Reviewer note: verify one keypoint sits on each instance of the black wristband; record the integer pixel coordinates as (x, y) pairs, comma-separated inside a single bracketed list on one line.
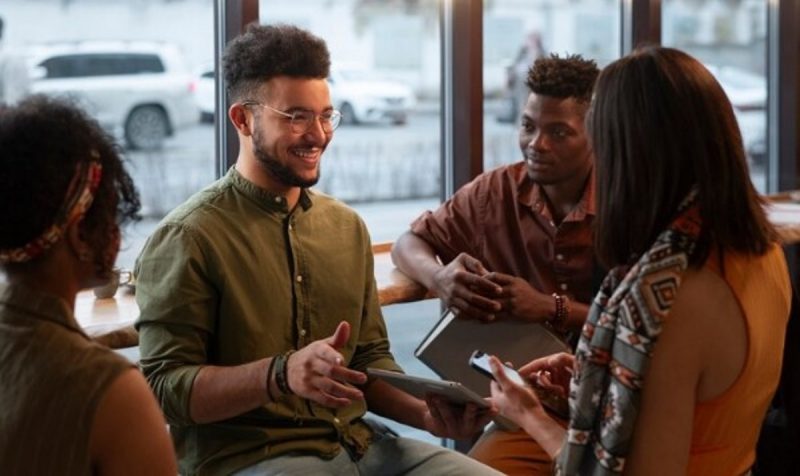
[(270, 378), (282, 373)]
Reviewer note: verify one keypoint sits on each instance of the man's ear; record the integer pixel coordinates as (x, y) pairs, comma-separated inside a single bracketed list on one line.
[(239, 118), (80, 248)]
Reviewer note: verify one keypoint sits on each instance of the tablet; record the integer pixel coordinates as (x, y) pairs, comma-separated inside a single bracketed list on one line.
[(419, 386)]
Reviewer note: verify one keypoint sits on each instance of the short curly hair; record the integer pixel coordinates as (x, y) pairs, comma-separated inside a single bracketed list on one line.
[(42, 142), (264, 52), (568, 77)]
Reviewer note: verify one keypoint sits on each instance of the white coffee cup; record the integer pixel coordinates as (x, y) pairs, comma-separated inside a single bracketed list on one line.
[(118, 278)]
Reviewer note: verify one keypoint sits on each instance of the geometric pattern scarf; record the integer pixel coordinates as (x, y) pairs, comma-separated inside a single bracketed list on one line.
[(616, 346)]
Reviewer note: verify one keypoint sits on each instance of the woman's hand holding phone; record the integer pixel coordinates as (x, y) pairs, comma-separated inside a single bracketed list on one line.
[(480, 362), (552, 373), (548, 377)]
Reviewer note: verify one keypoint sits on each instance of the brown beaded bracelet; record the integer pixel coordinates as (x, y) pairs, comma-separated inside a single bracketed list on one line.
[(562, 311)]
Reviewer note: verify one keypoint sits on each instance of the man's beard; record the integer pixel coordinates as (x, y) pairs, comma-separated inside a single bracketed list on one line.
[(277, 170)]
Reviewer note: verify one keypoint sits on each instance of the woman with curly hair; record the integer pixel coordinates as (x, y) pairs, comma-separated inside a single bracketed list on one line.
[(681, 352), (67, 405)]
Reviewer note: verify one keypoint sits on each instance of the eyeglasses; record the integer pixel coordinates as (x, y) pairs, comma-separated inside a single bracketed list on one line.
[(301, 120)]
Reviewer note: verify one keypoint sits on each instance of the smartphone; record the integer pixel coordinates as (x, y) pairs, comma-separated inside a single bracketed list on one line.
[(480, 362), (555, 403)]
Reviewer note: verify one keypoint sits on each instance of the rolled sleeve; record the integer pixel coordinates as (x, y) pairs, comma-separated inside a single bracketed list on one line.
[(176, 302), (455, 226), (372, 348), (165, 364)]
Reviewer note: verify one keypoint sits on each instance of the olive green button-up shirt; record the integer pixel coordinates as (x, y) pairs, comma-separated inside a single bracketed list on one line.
[(233, 276)]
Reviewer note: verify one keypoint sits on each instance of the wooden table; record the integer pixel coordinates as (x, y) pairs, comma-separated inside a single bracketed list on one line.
[(109, 321), (393, 286)]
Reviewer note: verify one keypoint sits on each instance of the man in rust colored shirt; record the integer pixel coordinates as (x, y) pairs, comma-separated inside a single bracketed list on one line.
[(516, 242)]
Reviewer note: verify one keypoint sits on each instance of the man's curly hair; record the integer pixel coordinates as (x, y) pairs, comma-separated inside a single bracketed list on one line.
[(42, 142), (568, 77), (264, 52)]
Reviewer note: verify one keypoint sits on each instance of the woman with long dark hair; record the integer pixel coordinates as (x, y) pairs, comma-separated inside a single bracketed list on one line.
[(681, 353)]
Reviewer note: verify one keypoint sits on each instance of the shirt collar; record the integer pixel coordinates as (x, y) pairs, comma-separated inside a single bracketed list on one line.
[(269, 200), (532, 195), (586, 207), (38, 304)]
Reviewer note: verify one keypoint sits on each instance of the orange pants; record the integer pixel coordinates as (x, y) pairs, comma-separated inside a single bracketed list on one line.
[(513, 452)]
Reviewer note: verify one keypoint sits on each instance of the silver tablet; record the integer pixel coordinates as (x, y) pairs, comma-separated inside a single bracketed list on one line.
[(419, 386)]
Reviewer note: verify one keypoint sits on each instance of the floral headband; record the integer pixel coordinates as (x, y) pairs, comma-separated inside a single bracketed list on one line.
[(80, 195)]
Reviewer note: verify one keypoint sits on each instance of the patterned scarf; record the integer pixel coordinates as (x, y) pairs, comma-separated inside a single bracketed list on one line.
[(616, 346)]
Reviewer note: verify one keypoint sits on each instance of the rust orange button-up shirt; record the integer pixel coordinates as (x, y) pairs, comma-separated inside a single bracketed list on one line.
[(502, 219)]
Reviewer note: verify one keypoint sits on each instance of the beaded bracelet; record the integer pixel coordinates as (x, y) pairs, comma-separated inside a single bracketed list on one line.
[(562, 311)]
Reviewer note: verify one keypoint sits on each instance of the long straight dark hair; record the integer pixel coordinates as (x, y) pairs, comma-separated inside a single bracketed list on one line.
[(660, 125)]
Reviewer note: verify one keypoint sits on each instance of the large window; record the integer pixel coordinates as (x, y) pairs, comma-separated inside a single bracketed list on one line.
[(384, 159), (135, 72), (730, 39)]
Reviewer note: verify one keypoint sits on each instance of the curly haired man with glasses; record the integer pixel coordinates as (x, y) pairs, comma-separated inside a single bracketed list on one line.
[(259, 311)]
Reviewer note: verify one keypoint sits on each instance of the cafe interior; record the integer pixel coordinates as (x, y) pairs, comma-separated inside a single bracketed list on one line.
[(460, 60)]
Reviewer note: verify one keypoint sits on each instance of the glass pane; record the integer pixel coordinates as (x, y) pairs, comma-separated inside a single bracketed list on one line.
[(384, 158), (136, 73), (730, 39), (515, 33)]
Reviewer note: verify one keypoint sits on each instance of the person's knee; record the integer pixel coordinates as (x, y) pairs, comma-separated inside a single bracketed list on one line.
[(412, 457), (512, 452)]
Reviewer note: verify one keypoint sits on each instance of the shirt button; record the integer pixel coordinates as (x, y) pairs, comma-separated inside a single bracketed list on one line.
[(560, 257), (299, 279), (336, 420), (563, 286), (291, 227), (302, 332)]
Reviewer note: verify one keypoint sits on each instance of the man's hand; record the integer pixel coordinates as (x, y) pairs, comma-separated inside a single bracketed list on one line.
[(316, 371), (462, 287), (520, 301), (455, 421)]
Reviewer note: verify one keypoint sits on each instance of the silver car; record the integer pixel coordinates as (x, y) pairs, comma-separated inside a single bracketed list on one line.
[(139, 91)]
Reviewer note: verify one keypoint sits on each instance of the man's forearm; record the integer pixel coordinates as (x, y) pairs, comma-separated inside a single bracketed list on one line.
[(577, 316), (219, 393), (416, 258)]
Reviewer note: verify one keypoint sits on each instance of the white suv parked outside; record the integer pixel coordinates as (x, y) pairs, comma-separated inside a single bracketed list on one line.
[(363, 96), (140, 91)]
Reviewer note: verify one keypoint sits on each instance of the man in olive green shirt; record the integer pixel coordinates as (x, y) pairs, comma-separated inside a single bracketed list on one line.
[(259, 312)]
